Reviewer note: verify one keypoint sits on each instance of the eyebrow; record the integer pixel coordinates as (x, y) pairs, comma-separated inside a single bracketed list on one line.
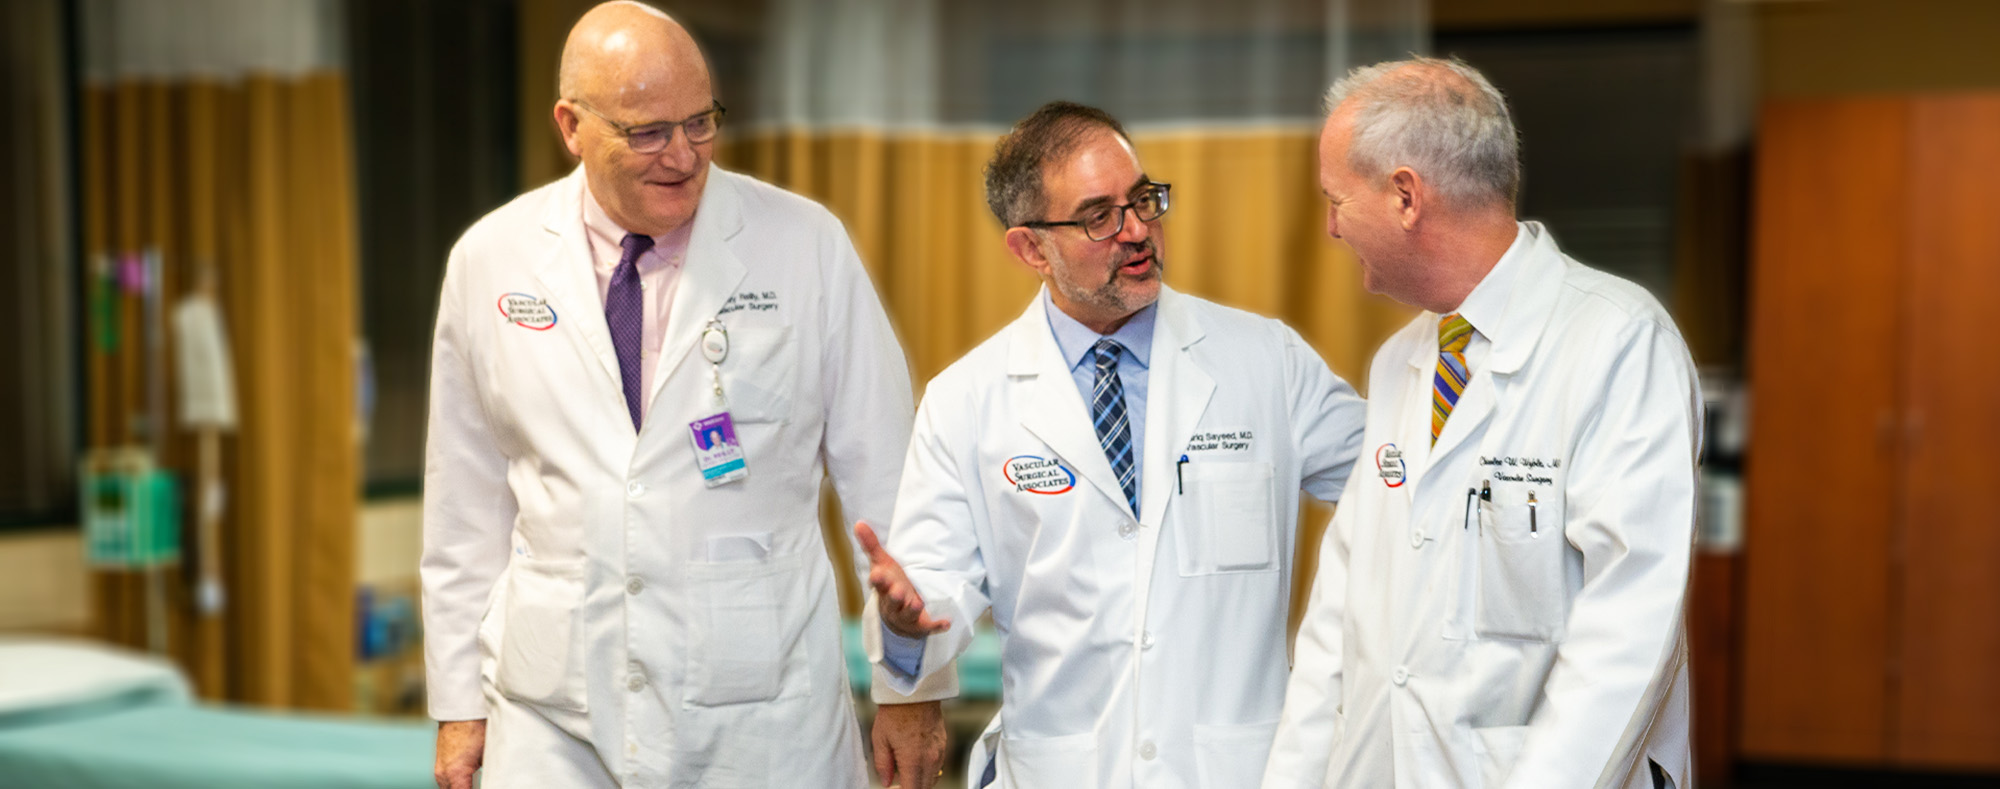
[(1094, 202)]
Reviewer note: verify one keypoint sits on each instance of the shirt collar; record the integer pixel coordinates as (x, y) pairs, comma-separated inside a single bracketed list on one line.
[(1075, 339), (606, 235), (1486, 306)]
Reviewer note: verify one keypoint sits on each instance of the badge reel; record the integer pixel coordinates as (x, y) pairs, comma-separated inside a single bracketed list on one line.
[(718, 452)]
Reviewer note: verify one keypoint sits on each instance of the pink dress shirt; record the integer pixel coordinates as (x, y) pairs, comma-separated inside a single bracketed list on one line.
[(659, 276)]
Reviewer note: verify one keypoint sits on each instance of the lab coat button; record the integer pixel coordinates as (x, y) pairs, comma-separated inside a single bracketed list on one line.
[(1146, 640), (635, 683), (634, 585), (1126, 530), (1147, 751), (635, 490), (1417, 538), (1402, 676)]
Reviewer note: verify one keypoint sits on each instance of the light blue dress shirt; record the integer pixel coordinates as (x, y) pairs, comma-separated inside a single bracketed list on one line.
[(1075, 340)]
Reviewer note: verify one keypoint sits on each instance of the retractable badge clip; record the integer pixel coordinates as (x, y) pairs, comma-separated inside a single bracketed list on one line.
[(715, 348)]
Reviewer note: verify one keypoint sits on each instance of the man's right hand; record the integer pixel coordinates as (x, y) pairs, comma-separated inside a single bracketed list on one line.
[(901, 607), (909, 744), (460, 749)]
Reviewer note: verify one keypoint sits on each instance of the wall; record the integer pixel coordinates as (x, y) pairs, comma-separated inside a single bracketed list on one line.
[(1877, 46), (42, 586)]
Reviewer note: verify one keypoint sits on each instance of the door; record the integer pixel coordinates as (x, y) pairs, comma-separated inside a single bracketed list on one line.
[(1820, 496), (1946, 691)]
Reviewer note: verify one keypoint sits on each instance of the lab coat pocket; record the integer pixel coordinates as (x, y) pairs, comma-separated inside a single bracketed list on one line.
[(1041, 762), (540, 658), (1234, 755), (1227, 521), (1496, 748), (1521, 580), (759, 373), (747, 628)]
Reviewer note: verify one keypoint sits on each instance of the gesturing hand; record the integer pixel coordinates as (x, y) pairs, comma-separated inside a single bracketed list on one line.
[(901, 607)]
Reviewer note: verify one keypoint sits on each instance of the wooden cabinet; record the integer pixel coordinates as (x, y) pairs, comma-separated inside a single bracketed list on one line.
[(1871, 630)]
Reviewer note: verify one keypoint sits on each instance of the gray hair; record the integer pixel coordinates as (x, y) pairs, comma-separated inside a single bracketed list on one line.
[(1441, 118)]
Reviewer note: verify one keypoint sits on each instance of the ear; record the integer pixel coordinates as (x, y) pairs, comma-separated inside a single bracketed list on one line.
[(566, 123), (1406, 188), (1027, 248)]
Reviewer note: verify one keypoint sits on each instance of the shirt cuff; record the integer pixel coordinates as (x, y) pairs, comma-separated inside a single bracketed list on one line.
[(902, 655)]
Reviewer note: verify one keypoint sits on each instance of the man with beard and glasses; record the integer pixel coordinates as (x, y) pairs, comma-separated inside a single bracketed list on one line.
[(1114, 476)]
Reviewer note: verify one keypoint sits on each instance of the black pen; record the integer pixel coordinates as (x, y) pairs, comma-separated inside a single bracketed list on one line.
[(1469, 493), (1531, 512), (1179, 484)]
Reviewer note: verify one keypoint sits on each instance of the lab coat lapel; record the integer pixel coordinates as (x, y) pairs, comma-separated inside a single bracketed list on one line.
[(1412, 428), (1475, 407), (568, 276), (1051, 407), (707, 280), (1179, 393), (1532, 282)]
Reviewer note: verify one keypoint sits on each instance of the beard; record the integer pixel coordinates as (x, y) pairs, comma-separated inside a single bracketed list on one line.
[(1119, 293)]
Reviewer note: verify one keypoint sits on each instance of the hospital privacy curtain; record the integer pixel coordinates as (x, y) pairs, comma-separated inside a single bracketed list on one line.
[(215, 136)]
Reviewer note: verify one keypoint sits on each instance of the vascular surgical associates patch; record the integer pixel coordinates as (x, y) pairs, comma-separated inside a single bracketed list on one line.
[(1389, 464), (528, 312), (1046, 476)]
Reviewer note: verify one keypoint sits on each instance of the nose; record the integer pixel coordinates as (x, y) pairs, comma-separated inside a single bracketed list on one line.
[(679, 153), (1134, 230), (1332, 221)]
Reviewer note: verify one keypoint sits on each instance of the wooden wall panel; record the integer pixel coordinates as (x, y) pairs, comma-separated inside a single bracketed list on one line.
[(1827, 263), (1947, 694)]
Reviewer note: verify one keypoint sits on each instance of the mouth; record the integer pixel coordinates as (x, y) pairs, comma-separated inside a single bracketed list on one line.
[(670, 182), (1138, 266)]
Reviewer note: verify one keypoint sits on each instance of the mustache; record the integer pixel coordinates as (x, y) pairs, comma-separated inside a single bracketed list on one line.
[(1132, 251)]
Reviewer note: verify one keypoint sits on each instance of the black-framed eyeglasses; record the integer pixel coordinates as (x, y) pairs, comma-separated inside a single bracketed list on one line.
[(1103, 222), (653, 137)]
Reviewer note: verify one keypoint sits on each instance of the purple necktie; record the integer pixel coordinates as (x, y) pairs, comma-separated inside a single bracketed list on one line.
[(625, 313)]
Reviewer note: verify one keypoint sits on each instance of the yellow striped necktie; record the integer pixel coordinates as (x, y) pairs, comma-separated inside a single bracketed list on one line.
[(1453, 335)]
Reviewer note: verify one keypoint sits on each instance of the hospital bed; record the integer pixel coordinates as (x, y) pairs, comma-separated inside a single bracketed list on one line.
[(76, 715)]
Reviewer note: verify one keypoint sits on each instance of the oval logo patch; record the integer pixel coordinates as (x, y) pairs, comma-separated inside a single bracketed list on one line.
[(1389, 463), (527, 311), (1038, 475)]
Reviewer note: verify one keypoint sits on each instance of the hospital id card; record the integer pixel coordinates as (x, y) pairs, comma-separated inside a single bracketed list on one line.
[(717, 450)]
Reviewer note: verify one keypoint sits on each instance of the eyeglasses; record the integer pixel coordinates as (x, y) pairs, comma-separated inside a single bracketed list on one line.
[(653, 137), (1106, 221)]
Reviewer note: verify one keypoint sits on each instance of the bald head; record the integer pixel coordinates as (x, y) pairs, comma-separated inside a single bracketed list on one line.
[(628, 46), (628, 67)]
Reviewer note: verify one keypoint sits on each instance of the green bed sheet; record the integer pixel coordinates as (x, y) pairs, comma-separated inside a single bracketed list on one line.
[(182, 746)]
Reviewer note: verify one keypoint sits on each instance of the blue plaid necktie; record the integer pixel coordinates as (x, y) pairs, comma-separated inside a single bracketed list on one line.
[(1107, 414), (625, 314)]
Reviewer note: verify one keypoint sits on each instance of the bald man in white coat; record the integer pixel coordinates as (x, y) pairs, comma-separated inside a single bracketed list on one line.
[(641, 374)]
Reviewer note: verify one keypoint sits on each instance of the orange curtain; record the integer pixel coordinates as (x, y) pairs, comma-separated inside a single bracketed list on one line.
[(249, 180)]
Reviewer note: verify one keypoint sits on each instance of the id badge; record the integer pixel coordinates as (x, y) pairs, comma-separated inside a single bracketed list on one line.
[(717, 451)]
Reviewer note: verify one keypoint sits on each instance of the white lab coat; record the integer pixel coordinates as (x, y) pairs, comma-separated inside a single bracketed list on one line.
[(688, 634), (1134, 653), (1455, 642)]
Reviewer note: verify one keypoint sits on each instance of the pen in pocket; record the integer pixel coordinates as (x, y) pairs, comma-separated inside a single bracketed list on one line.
[(1531, 513)]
